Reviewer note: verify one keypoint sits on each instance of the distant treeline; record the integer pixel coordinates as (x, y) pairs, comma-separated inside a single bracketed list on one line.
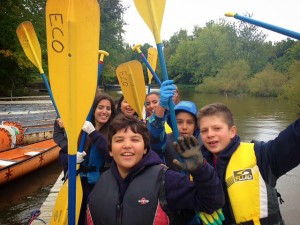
[(222, 57)]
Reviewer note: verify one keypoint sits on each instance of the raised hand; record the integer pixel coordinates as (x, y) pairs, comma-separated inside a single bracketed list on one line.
[(167, 91), (189, 149)]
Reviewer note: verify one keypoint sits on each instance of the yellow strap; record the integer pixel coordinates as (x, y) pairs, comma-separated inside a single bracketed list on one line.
[(168, 128)]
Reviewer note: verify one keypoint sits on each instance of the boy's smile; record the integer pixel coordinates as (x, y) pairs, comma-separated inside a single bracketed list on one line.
[(215, 133), (127, 150)]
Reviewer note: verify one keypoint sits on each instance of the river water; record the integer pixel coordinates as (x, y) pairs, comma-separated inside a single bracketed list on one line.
[(256, 118)]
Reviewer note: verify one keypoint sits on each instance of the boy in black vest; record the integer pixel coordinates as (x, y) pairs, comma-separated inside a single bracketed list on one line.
[(138, 189)]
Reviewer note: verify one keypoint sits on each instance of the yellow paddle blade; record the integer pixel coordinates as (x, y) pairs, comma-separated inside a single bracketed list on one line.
[(152, 12), (131, 79), (30, 44), (152, 59), (73, 28), (60, 210)]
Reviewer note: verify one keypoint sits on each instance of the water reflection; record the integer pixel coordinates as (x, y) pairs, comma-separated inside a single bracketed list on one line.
[(20, 197), (256, 118)]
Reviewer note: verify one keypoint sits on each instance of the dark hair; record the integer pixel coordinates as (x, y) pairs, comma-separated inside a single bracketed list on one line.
[(119, 104), (119, 111), (153, 93), (122, 121), (218, 109), (98, 98)]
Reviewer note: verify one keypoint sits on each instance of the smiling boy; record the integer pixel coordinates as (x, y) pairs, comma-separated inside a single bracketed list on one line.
[(249, 171), (138, 189)]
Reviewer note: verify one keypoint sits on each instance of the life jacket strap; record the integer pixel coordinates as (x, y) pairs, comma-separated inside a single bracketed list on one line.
[(271, 219)]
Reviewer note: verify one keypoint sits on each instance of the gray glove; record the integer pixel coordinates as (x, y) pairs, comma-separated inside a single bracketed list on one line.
[(189, 149)]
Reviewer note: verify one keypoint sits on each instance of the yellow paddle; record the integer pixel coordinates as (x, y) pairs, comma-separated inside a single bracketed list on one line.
[(131, 79), (152, 56), (152, 12), (73, 28), (152, 59), (32, 49)]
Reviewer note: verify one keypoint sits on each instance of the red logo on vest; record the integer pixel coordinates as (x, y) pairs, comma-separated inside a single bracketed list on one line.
[(143, 201)]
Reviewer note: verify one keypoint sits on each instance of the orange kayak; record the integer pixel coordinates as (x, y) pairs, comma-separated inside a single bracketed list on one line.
[(22, 160)]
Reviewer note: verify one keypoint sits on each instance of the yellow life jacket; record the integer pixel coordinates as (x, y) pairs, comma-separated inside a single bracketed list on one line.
[(246, 187)]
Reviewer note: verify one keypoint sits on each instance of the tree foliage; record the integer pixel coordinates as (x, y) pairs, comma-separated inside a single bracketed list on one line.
[(221, 57), (267, 83), (291, 89), (231, 79), (16, 70)]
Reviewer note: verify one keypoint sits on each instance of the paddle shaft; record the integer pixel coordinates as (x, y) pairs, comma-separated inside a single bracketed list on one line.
[(50, 93), (171, 103), (268, 26), (150, 68), (89, 117)]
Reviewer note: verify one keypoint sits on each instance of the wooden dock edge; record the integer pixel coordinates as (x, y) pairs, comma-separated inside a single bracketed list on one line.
[(47, 207)]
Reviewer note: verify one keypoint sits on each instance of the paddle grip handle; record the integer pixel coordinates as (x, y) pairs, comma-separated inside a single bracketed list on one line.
[(171, 104)]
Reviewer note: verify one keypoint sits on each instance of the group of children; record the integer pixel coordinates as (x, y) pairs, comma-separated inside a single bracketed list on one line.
[(155, 179)]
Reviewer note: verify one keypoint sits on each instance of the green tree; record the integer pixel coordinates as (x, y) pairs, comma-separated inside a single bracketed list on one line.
[(267, 83), (111, 37), (16, 70), (291, 89), (203, 54), (253, 47), (231, 79), (283, 55)]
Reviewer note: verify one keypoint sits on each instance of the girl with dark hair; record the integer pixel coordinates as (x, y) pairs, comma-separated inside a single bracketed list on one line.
[(124, 107), (95, 158)]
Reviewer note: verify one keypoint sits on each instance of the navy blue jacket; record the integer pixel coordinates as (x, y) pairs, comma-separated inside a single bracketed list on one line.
[(274, 159), (205, 194), (97, 139)]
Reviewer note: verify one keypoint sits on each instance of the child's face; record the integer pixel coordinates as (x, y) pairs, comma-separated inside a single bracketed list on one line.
[(126, 108), (186, 123), (127, 149), (215, 133), (152, 102)]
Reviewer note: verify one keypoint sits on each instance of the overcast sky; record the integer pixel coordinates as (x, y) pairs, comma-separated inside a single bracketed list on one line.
[(186, 14)]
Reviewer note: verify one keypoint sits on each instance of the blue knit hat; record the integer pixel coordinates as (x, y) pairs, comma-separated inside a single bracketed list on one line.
[(187, 106)]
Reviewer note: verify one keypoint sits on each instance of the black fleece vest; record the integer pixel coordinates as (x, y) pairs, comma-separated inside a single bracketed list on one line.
[(140, 201)]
